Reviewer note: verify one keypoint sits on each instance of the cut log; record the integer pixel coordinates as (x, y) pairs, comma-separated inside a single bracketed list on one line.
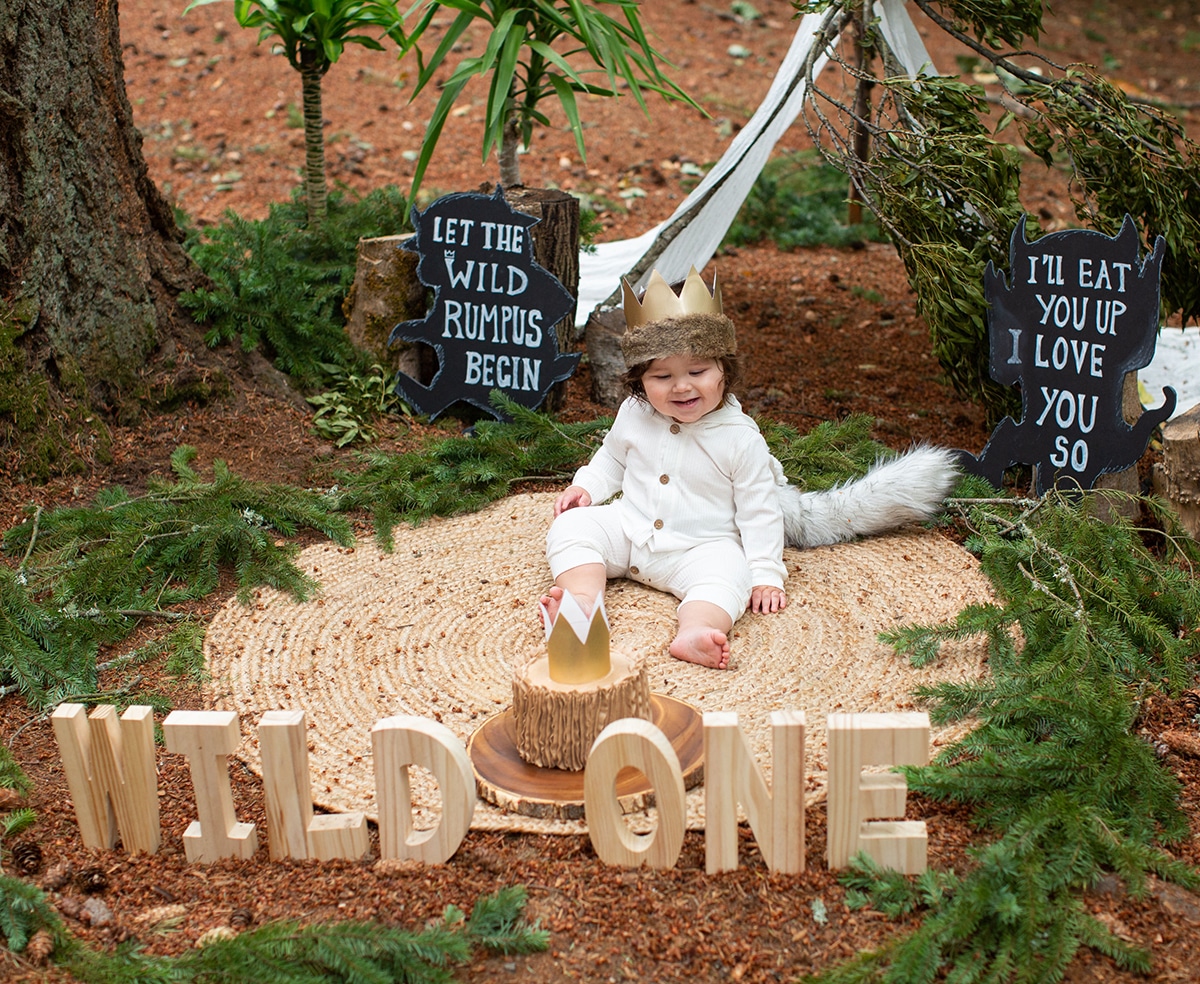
[(1179, 478), (605, 359), (556, 248), (1127, 480), (386, 291)]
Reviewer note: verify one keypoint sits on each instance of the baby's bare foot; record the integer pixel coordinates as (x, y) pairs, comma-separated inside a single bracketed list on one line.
[(704, 645), (551, 601)]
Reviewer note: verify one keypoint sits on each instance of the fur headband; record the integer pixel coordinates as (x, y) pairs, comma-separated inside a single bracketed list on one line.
[(706, 336)]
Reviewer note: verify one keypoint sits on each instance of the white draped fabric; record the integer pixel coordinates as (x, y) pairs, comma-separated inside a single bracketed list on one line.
[(700, 222)]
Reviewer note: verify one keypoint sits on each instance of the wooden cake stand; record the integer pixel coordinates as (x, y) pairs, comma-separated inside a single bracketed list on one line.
[(506, 780)]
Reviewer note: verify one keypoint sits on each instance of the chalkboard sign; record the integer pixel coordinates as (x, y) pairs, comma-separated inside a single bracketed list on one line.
[(1081, 311), (494, 309)]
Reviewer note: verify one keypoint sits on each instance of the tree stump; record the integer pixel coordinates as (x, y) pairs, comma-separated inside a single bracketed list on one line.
[(1178, 480), (607, 362), (386, 291), (555, 724), (556, 248), (1126, 481)]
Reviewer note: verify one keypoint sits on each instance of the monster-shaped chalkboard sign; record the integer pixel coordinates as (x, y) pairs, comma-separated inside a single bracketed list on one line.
[(494, 309), (1082, 310)]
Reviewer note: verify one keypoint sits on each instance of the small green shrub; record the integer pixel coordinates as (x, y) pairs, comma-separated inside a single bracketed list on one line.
[(348, 410), (280, 285), (799, 200)]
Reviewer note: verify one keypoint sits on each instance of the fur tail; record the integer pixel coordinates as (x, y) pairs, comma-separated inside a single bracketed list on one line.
[(903, 490)]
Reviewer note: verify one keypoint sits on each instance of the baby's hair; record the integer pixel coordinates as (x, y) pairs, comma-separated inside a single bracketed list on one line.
[(728, 364)]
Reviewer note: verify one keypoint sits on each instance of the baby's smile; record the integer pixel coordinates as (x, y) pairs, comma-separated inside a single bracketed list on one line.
[(684, 387)]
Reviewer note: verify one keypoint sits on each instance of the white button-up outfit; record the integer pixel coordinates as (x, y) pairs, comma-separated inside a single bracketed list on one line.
[(699, 512)]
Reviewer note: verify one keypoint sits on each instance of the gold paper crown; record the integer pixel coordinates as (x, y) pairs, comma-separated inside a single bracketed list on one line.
[(577, 656), (659, 301)]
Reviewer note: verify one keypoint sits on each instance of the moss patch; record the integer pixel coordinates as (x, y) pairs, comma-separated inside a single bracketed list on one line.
[(46, 431)]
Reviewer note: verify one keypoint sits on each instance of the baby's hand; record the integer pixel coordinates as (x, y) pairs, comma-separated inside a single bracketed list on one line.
[(767, 598), (575, 495)]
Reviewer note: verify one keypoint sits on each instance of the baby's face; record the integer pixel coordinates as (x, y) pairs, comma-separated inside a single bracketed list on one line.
[(683, 387)]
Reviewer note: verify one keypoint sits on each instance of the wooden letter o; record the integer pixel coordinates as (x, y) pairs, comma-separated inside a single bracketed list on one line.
[(637, 743), (404, 740)]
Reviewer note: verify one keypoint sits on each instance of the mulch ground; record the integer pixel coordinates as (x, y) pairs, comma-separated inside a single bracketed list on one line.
[(834, 332)]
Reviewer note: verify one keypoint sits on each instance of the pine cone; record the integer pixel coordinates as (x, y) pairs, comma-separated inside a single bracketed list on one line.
[(94, 879), (9, 798), (57, 875), (1182, 743), (214, 935), (39, 948), (27, 858), (1190, 701), (70, 907), (241, 918)]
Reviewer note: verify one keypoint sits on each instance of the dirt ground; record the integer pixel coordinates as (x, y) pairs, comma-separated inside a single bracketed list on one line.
[(834, 332)]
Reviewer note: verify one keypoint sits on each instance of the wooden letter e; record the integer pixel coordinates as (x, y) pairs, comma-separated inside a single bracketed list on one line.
[(856, 740)]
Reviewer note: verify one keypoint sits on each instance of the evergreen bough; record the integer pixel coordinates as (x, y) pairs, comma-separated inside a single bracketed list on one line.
[(45, 655), (463, 473), (140, 553), (945, 186), (87, 574), (1088, 620), (279, 283), (349, 952), (829, 454)]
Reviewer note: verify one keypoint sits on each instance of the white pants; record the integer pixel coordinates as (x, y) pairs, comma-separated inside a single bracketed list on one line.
[(715, 571)]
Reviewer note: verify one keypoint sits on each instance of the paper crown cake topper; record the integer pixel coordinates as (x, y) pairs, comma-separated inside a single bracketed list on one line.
[(578, 645), (659, 301)]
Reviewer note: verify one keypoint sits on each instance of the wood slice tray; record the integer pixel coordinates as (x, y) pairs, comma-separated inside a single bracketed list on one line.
[(507, 781)]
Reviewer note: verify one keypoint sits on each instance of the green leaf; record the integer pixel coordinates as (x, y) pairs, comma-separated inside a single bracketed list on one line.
[(567, 97)]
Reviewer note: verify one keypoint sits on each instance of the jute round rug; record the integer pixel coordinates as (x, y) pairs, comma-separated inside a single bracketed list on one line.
[(433, 629)]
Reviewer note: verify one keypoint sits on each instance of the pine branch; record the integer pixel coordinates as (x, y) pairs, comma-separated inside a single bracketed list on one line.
[(43, 653), (23, 911), (831, 452), (11, 774), (452, 475), (138, 554), (1054, 769), (325, 953)]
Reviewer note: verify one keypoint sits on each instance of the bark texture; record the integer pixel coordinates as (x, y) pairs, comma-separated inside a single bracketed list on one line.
[(314, 144), (90, 255), (555, 248)]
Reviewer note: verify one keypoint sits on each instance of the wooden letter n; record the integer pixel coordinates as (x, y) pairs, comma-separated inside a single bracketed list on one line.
[(731, 776)]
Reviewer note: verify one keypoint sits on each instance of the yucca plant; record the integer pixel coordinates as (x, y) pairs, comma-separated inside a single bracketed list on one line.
[(523, 67), (313, 34)]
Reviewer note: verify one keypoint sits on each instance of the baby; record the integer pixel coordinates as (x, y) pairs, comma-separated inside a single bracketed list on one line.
[(700, 512)]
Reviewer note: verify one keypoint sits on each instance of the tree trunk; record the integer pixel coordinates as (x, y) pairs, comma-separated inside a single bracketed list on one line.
[(91, 260), (556, 248), (314, 145), (506, 154)]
